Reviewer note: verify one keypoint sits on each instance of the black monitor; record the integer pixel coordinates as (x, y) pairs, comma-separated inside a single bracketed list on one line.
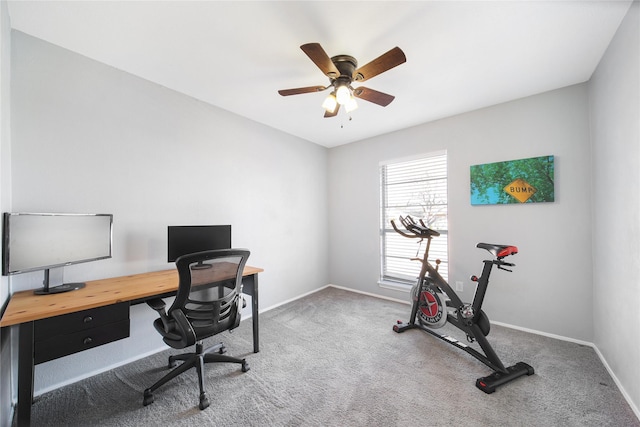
[(41, 241), (188, 239)]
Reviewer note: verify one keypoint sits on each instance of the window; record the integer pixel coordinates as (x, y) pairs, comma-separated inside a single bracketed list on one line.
[(416, 187)]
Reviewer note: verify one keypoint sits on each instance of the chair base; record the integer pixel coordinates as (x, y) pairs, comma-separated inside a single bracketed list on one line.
[(194, 360)]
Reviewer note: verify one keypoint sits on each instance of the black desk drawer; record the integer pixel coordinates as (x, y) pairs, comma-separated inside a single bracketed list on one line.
[(70, 333), (64, 345), (80, 320)]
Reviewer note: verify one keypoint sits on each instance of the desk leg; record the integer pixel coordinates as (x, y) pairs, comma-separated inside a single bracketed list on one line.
[(254, 314), (25, 373), (250, 287)]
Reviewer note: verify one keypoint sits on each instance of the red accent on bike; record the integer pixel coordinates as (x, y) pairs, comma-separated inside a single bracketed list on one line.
[(474, 278), (431, 309), (509, 250), (482, 384)]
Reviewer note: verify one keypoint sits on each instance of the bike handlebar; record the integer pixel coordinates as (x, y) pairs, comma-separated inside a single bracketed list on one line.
[(393, 224), (421, 230), (418, 230)]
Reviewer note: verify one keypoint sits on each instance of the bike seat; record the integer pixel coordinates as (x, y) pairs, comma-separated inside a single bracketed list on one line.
[(498, 251)]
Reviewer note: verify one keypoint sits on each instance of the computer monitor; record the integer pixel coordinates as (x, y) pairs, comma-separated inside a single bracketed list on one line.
[(41, 241), (188, 239)]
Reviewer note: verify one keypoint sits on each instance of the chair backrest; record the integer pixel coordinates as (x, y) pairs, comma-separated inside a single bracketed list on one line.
[(209, 290)]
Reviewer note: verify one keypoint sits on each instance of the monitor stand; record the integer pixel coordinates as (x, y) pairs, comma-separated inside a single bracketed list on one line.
[(65, 287), (201, 266)]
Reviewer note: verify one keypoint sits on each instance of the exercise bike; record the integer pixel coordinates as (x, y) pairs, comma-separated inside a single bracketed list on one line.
[(435, 303)]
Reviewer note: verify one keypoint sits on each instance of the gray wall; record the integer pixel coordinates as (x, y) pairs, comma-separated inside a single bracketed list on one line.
[(614, 95), (90, 138), (554, 238)]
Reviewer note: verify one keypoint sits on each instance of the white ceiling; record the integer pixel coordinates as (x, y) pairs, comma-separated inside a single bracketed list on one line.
[(235, 55)]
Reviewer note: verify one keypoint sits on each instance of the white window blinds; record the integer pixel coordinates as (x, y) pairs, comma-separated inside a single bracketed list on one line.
[(416, 187)]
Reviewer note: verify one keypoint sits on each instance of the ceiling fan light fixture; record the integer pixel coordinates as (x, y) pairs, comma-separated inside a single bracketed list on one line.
[(330, 103), (343, 94), (350, 105)]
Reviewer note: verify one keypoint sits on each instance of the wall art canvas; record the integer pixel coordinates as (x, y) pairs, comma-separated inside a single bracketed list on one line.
[(513, 181)]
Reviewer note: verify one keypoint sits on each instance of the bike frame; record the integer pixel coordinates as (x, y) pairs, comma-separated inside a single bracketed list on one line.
[(430, 277)]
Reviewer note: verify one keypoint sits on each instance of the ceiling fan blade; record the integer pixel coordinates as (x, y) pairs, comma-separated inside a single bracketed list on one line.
[(316, 53), (332, 114), (384, 62), (374, 96), (298, 91)]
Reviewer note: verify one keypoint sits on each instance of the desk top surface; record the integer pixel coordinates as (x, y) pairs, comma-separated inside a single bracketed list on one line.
[(25, 306)]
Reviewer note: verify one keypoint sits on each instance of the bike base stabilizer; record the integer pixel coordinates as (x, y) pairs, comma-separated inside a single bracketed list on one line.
[(401, 327), (489, 383)]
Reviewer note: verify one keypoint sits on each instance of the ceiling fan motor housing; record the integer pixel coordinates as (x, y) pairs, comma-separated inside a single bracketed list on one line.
[(346, 65)]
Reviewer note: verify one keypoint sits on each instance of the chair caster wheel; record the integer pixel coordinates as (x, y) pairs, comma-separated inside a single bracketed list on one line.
[(245, 366), (204, 401), (148, 398)]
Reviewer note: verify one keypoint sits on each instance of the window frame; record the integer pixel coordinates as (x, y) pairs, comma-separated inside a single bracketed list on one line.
[(439, 246)]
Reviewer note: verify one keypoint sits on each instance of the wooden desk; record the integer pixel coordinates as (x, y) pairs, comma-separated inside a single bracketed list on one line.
[(25, 309)]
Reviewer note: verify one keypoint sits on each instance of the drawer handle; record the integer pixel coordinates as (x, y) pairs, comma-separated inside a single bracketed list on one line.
[(87, 319), (87, 340)]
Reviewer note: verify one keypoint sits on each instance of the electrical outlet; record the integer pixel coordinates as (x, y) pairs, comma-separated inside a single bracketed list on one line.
[(459, 287)]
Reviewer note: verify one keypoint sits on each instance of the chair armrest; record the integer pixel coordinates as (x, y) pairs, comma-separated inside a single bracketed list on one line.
[(184, 327), (240, 304), (159, 305)]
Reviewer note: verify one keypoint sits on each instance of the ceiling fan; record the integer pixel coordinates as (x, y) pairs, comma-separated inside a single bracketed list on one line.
[(342, 71)]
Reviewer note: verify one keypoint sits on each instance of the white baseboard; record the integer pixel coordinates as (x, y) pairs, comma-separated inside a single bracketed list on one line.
[(634, 408), (401, 301), (293, 299), (544, 334)]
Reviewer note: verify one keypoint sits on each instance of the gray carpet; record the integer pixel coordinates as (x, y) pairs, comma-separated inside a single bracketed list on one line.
[(332, 359)]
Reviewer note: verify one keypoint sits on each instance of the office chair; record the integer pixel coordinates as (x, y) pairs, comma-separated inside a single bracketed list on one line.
[(208, 302)]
